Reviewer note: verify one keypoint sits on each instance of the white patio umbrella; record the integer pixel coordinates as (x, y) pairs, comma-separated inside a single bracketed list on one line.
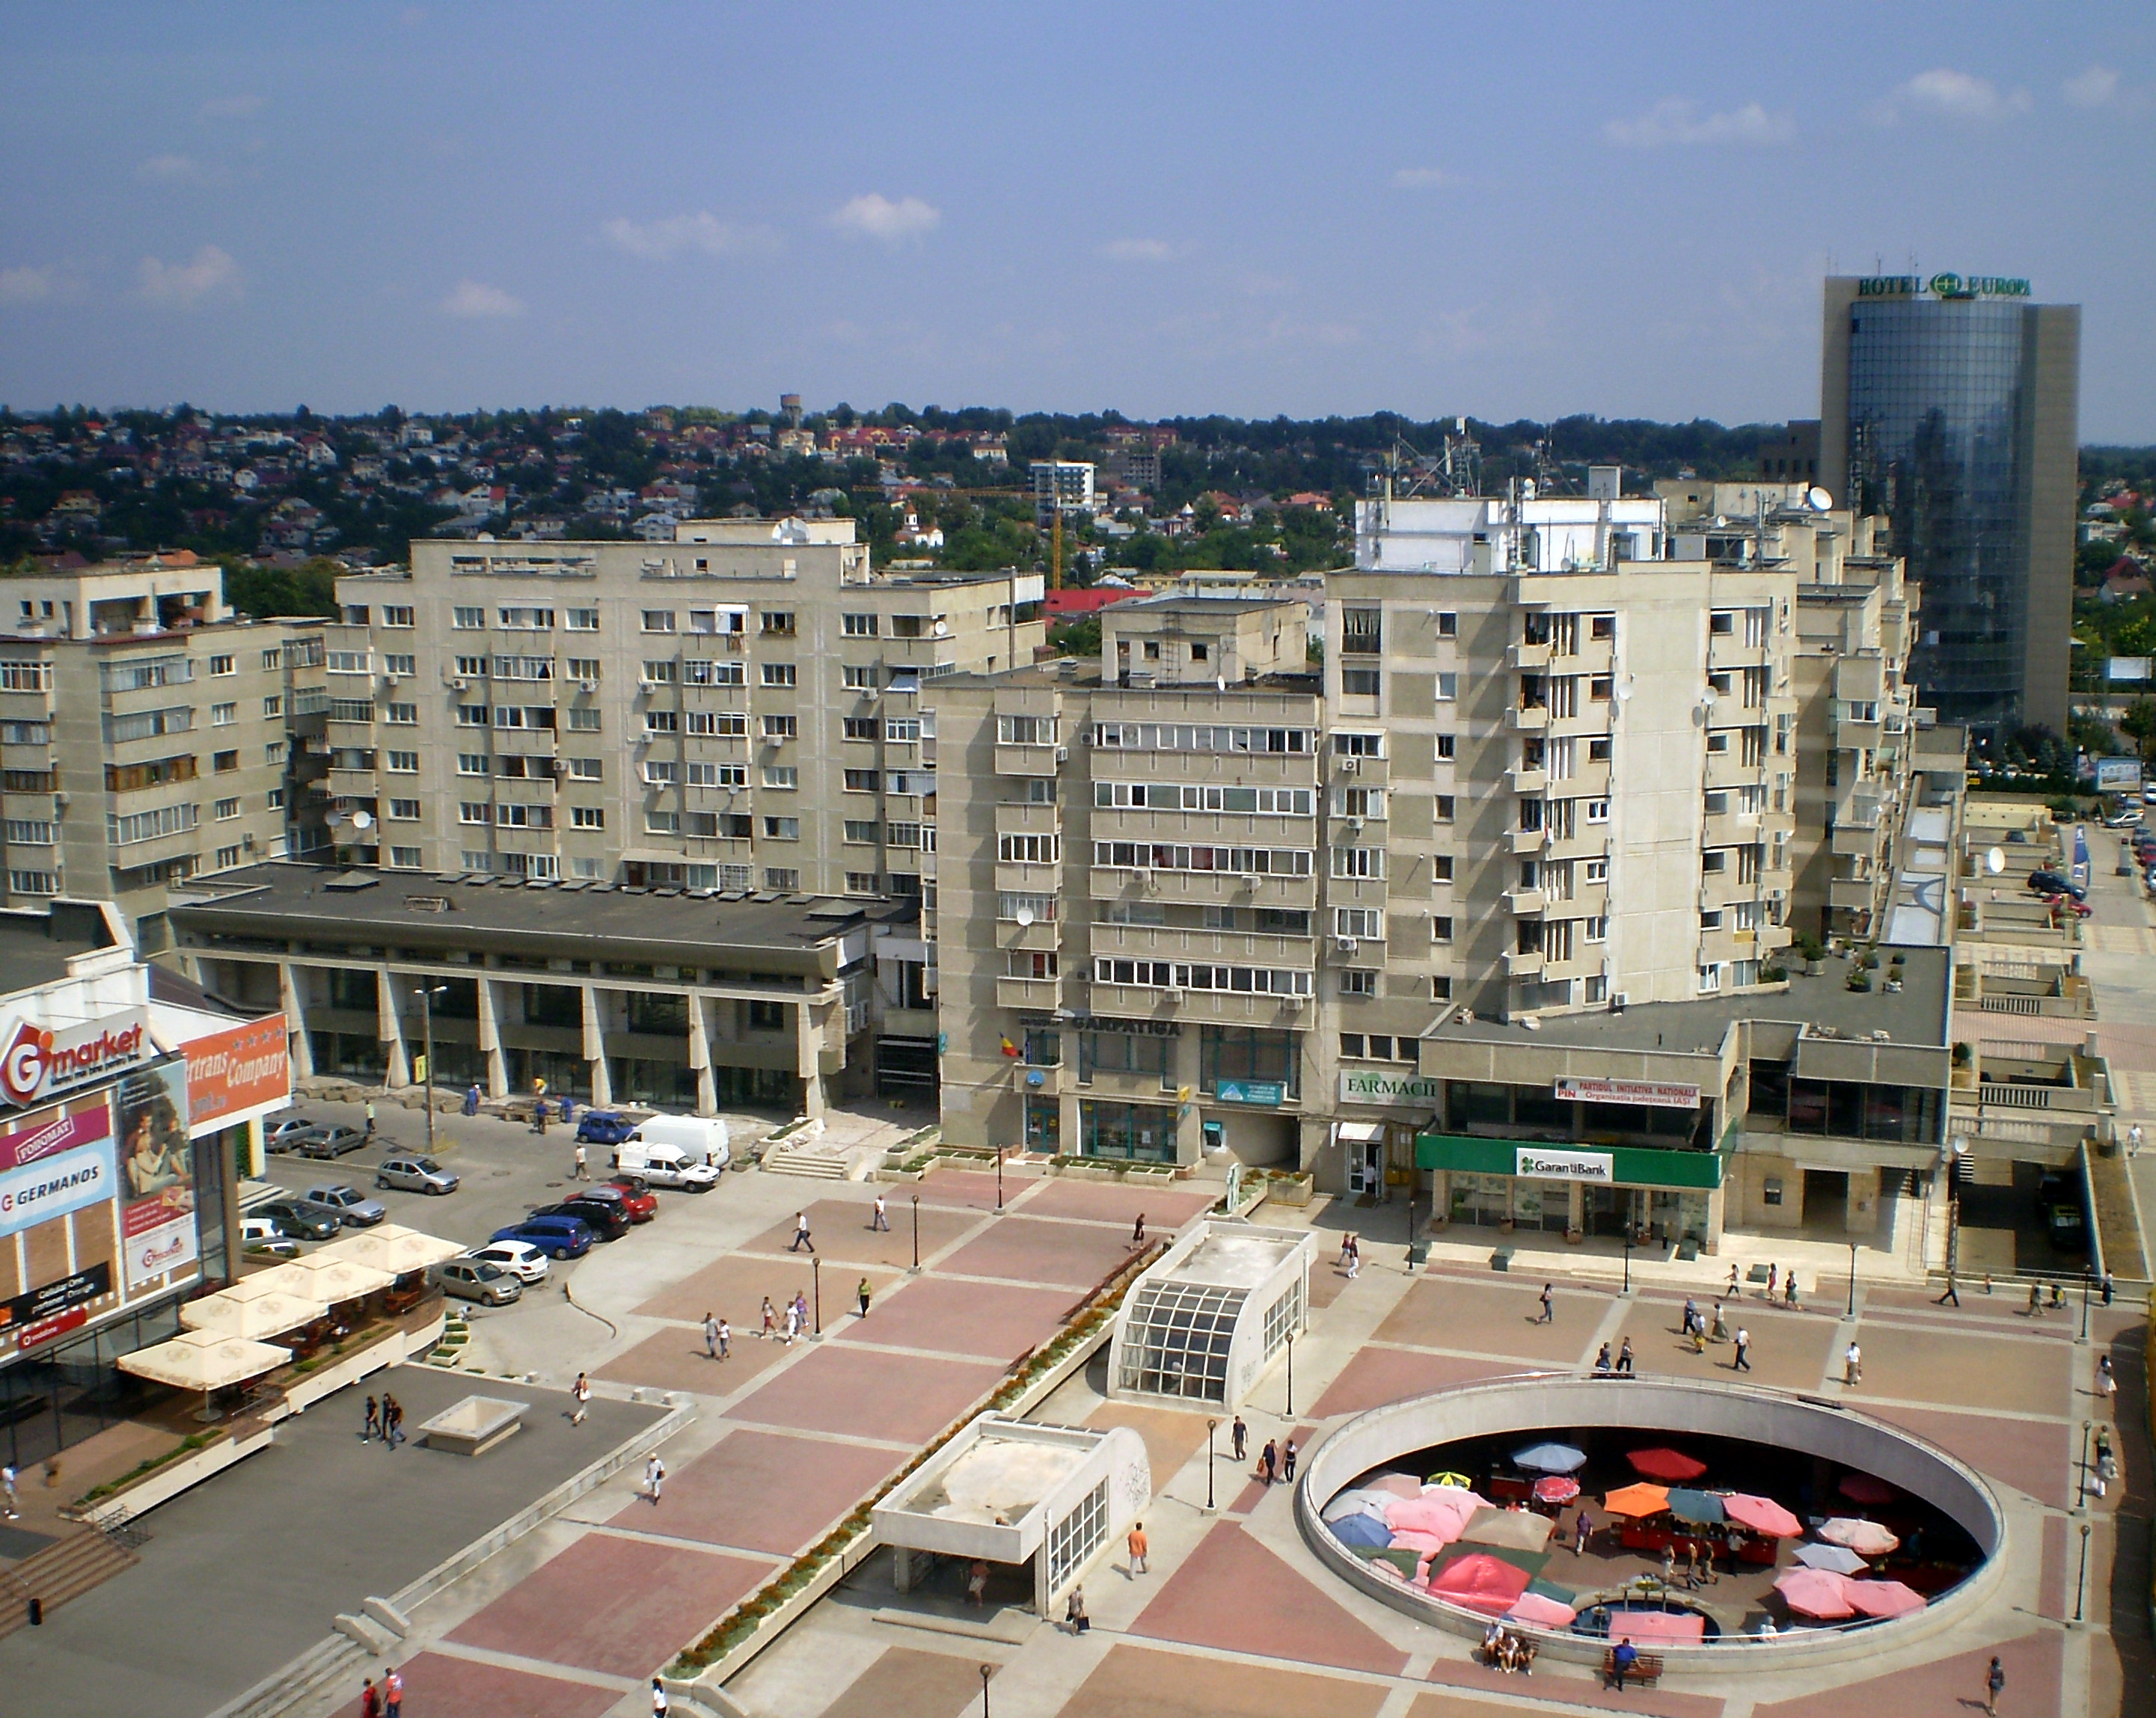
[(245, 1309), (204, 1360), (391, 1247), (319, 1277)]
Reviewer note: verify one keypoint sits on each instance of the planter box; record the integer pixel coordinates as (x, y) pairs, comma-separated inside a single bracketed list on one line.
[(170, 1480), (1291, 1189)]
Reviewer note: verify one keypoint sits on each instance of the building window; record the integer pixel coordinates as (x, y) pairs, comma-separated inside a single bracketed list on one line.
[(586, 769), (405, 811), (1358, 982), (223, 761), (858, 626), (858, 727), (1440, 868), (662, 721), (225, 810), (783, 828), (658, 620), (861, 883), (780, 727), (859, 678), (658, 673), (584, 721), (222, 665), (1359, 682), (1360, 861), (468, 620), (778, 673), (1072, 1541), (1448, 626), (587, 816), (273, 799), (402, 715), (404, 858), (777, 623), (1246, 1054), (1440, 928), (394, 614), (862, 831), (781, 877), (1365, 924), (861, 780), (781, 775), (1358, 745)]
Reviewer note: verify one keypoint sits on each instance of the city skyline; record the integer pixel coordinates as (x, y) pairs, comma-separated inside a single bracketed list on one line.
[(1427, 216)]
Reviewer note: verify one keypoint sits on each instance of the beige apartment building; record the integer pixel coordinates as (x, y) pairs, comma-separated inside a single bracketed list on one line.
[(147, 735), (740, 709)]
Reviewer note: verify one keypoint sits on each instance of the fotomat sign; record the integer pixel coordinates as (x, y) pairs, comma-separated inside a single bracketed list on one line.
[(40, 1061)]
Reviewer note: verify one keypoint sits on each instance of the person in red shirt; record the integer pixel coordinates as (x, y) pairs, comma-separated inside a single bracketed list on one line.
[(370, 1701)]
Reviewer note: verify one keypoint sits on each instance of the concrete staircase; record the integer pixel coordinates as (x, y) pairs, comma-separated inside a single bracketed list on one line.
[(819, 1159), (60, 1572)]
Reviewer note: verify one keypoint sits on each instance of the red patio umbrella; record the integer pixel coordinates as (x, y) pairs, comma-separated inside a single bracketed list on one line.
[(1866, 1488), (1815, 1593), (1883, 1598), (1481, 1583), (1672, 1467), (1763, 1515), (1555, 1488)]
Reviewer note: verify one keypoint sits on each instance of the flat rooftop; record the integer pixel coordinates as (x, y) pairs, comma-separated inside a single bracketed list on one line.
[(998, 1481), (35, 947), (1918, 1015), (1225, 1259), (314, 900)]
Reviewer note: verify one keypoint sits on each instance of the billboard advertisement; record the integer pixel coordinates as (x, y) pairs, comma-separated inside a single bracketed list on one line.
[(97, 1206), (244, 1068), (2118, 775), (38, 1063)]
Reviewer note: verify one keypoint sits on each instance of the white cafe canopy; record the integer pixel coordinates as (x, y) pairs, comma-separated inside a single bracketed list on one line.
[(251, 1308), (389, 1247), (321, 1276), (204, 1360)]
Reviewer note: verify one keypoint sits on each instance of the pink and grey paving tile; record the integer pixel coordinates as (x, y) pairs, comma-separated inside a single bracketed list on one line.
[(2035, 1455), (733, 1287), (1166, 1210), (1143, 1682), (1789, 1351), (1958, 1370), (907, 1683), (1377, 1376), (611, 1604), (970, 1189), (863, 1392), (761, 1491), (674, 1359), (838, 1229), (1171, 1437), (469, 1688), (2032, 1663), (1024, 1249), (1233, 1594), (1575, 1687), (959, 1318), (1495, 1319)]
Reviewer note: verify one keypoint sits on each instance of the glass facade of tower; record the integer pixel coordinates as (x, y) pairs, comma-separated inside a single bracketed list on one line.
[(1938, 440)]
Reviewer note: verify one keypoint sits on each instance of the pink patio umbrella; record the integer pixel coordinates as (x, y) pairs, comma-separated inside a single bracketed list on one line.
[(1659, 1627), (1762, 1516), (1541, 1610), (1454, 1494), (1884, 1598), (1868, 1489), (1413, 1539), (1865, 1538), (1815, 1593), (1481, 1583), (1672, 1467), (1443, 1516), (1399, 1485), (1555, 1488)]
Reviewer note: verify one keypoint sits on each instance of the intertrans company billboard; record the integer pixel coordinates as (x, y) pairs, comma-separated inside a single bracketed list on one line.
[(97, 1206), (231, 1073)]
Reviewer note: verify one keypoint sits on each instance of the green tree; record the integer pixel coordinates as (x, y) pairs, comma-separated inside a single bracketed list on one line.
[(2138, 724)]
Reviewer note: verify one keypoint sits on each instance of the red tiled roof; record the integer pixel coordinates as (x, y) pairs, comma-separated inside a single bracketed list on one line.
[(1089, 601)]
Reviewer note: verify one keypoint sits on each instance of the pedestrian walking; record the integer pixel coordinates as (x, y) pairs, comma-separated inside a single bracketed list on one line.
[(2106, 1288), (654, 1477), (2035, 1301), (581, 1393), (1625, 1358), (660, 1705), (1549, 1307), (1691, 1314), (1346, 1236), (1602, 1359), (393, 1692), (579, 1171), (539, 1106), (1268, 1461), (861, 1295), (881, 1220), (1582, 1530), (1354, 1257), (471, 1099), (2058, 1298), (1287, 1461), (1790, 1288), (370, 1119), (1774, 1277), (2106, 1385), (7, 1489), (370, 1700), (1952, 1295), (725, 1339), (977, 1583), (2134, 1140), (1138, 1231), (1852, 1365), (393, 1421), (1136, 1541), (801, 1308), (801, 1233), (1720, 1328), (1995, 1685), (373, 1428), (1238, 1435), (770, 1320), (793, 1321), (711, 1337), (1732, 1288), (568, 1109), (1075, 1611), (1670, 1564), (1743, 1363)]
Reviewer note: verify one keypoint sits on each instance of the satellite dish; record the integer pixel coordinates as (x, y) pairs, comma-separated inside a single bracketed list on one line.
[(1025, 915), (361, 820), (1994, 861), (1818, 500)]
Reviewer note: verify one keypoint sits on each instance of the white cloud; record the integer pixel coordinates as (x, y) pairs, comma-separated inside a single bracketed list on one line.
[(210, 272), (1137, 250), (657, 241), (1960, 95), (1676, 122), (230, 107), (171, 170), (1422, 178), (2096, 87), (27, 285), (473, 298), (877, 217)]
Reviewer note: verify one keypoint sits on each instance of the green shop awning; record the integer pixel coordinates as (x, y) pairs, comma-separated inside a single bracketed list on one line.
[(1615, 1166)]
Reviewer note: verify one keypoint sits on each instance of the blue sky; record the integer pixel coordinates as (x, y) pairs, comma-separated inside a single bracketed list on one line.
[(1505, 210)]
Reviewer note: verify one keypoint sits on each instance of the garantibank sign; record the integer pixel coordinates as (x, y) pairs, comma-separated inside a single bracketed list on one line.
[(40, 1061), (1943, 285)]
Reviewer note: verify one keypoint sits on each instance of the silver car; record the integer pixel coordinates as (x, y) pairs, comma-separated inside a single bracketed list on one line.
[(475, 1280), (415, 1175), (354, 1209)]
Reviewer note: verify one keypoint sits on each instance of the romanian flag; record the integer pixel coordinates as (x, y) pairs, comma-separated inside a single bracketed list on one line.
[(1010, 1048)]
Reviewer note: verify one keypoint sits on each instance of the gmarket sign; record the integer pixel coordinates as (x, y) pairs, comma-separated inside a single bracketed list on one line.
[(40, 1061)]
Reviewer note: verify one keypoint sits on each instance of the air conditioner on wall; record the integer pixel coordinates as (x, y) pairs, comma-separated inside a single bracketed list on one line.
[(461, 686), (1351, 765), (1344, 944)]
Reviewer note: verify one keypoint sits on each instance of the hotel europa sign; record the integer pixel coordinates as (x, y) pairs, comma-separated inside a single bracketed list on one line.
[(1944, 285)]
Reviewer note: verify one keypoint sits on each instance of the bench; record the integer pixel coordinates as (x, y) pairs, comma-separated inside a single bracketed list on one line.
[(1646, 1667), (1501, 1260)]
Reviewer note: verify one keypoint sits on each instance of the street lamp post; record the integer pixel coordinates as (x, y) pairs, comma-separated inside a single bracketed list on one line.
[(1291, 1375), (999, 1181), (2080, 1589), (427, 992), (2081, 1501), (1852, 1280), (987, 1671), (1211, 1426), (2085, 1306), (1628, 1252), (816, 1289), (916, 1232)]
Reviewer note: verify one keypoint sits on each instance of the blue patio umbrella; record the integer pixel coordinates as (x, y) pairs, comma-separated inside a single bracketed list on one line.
[(1701, 1508), (1549, 1459), (1360, 1530)]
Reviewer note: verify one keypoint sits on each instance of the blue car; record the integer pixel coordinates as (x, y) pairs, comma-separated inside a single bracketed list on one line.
[(557, 1237), (605, 1127)]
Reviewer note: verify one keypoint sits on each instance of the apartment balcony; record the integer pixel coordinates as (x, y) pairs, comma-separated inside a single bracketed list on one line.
[(1237, 948), (1593, 842), (1203, 1007), (1851, 734), (1522, 779), (1857, 895), (1730, 945), (1033, 995), (1527, 840), (1728, 769), (1361, 771), (1028, 820), (1527, 656), (1029, 879), (1857, 840), (1028, 760), (1528, 718), (1524, 963), (352, 784), (1726, 650), (1588, 781), (1735, 828), (1198, 888), (1590, 721), (1043, 934), (1527, 901)]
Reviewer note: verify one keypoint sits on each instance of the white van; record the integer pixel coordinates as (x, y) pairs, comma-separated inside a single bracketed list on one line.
[(664, 1166), (701, 1139)]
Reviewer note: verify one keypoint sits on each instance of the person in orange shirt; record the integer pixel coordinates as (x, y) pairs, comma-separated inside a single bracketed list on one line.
[(1138, 1544)]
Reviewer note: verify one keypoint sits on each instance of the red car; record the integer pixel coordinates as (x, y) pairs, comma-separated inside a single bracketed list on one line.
[(638, 1203)]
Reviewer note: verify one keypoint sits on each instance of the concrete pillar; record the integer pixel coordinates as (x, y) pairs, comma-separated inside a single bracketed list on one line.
[(1042, 1598), (389, 1029), (595, 1050), (489, 1042), (699, 1058), (808, 1018), (902, 1569), (288, 999)]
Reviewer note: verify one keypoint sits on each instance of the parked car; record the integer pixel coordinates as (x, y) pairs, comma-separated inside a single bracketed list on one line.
[(557, 1237), (606, 1220), (696, 1137), (475, 1280), (302, 1218), (264, 1234), (664, 1166), (637, 1203), (520, 1258), (2068, 1231), (637, 1189), (416, 1175), (329, 1142), (354, 1209), (2077, 909), (290, 1137), (605, 1127), (2125, 818), (2055, 883)]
